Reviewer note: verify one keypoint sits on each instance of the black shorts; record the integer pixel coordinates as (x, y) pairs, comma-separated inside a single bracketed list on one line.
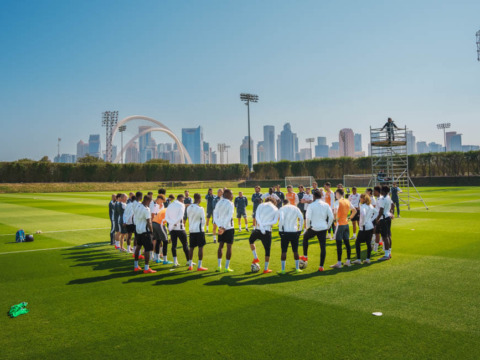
[(253, 214), (159, 232), (145, 240), (342, 233), (227, 236), (241, 213), (357, 216), (266, 240), (385, 227), (131, 228), (197, 239), (287, 238), (124, 229), (209, 214)]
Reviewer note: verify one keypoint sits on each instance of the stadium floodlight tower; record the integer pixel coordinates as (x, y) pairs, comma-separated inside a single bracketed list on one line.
[(444, 126), (390, 162), (247, 99), (478, 45), (121, 130), (109, 120)]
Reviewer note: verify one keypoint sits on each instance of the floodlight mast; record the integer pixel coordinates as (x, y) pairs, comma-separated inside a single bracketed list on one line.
[(247, 98), (444, 126), (121, 129), (109, 120), (310, 141), (478, 45)]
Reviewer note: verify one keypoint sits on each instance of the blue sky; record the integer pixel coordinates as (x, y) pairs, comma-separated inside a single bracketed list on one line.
[(320, 65)]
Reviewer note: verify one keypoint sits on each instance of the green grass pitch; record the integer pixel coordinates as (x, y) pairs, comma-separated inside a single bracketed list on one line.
[(86, 301)]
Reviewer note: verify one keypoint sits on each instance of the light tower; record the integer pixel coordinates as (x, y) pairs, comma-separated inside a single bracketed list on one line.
[(478, 45), (109, 120), (121, 129), (247, 98), (444, 126), (58, 149), (310, 141)]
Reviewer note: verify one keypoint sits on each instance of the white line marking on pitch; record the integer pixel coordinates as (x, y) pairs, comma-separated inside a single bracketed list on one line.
[(57, 248), (59, 231)]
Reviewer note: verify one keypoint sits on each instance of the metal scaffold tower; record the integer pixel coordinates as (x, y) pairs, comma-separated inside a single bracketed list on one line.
[(389, 152)]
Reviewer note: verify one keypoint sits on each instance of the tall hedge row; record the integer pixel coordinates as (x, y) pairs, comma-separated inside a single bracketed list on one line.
[(26, 171), (431, 164)]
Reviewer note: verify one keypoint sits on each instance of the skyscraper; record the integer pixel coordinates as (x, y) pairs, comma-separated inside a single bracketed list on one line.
[(192, 139), (410, 142), (321, 149), (346, 142), (207, 153), (261, 153), (82, 149), (147, 145), (269, 142), (448, 139), (358, 142), (244, 150), (422, 147), (94, 146), (288, 143), (456, 142), (131, 153)]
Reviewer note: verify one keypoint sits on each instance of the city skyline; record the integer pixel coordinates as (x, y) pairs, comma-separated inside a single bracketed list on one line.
[(64, 63)]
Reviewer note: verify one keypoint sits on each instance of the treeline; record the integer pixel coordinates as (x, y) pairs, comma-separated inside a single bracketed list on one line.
[(425, 165), (44, 171), (431, 164)]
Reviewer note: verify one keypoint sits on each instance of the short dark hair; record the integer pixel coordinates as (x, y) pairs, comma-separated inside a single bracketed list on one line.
[(139, 195), (227, 193), (340, 191), (385, 189), (162, 191), (171, 196), (286, 202), (377, 188), (328, 183), (289, 186), (180, 196), (354, 188), (161, 196), (147, 198), (369, 190), (197, 197), (317, 194), (150, 193)]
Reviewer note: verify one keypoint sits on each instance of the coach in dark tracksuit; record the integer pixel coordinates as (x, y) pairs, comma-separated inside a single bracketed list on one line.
[(111, 210), (394, 191)]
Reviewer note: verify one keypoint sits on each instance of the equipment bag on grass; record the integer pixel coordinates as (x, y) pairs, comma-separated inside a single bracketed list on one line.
[(20, 236)]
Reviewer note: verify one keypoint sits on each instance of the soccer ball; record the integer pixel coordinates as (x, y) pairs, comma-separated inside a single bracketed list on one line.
[(303, 264), (255, 268)]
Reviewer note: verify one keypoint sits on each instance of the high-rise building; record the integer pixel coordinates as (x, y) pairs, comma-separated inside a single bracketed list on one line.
[(207, 153), (422, 147), (333, 151), (410, 142), (346, 142), (466, 148), (287, 143), (304, 154), (65, 159), (94, 146), (456, 142), (434, 147), (147, 146), (82, 149), (269, 142), (448, 139), (261, 153), (358, 142), (244, 150), (131, 153), (321, 149), (192, 139), (214, 157)]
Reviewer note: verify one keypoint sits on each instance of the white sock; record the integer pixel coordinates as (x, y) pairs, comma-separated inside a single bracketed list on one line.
[(266, 265), (339, 262), (214, 237), (283, 265), (165, 258), (375, 247), (219, 263), (239, 228), (135, 264), (348, 261), (227, 264), (190, 262), (146, 266), (199, 263), (255, 254), (297, 264), (175, 260), (129, 248)]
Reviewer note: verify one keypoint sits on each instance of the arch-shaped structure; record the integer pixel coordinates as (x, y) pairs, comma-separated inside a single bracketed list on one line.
[(184, 155)]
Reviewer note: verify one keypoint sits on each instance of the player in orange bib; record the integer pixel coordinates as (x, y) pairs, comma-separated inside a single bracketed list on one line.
[(291, 196), (343, 231)]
